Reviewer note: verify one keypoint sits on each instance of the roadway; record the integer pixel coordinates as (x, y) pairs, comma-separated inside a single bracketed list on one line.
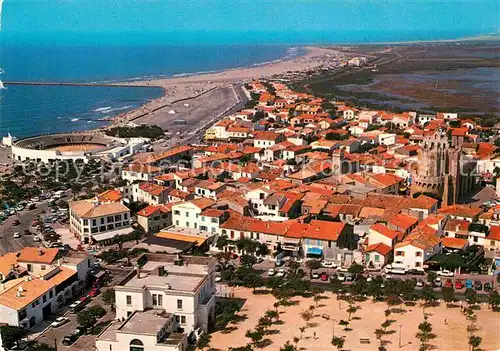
[(49, 335)]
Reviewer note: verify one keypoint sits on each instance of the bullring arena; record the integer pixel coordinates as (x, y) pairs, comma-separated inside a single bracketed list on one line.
[(68, 146)]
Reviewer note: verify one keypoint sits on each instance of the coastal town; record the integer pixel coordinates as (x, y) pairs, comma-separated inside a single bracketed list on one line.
[(288, 222)]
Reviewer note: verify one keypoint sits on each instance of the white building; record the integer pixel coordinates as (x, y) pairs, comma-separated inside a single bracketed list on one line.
[(90, 220), (164, 301), (187, 214)]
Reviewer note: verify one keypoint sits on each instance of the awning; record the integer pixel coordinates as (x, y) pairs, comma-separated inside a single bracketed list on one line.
[(314, 251)]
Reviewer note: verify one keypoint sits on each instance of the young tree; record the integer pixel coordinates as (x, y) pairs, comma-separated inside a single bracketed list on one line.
[(424, 334), (448, 294), (352, 309), (11, 335), (313, 264), (108, 297), (306, 315), (338, 342), (256, 336), (302, 330), (288, 347), (470, 296), (203, 341), (474, 342), (272, 315), (296, 340), (86, 319), (494, 301)]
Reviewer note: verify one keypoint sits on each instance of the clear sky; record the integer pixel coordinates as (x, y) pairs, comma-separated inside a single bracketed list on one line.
[(267, 20)]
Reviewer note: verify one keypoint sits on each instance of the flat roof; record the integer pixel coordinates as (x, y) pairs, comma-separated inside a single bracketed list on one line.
[(175, 281), (149, 322)]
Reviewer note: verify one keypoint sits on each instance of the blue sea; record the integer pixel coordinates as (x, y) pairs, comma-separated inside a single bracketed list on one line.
[(31, 110)]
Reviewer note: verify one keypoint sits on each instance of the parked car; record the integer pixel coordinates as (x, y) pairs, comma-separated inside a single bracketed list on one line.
[(281, 272), (448, 283), (314, 275), (94, 292), (59, 321), (218, 278), (487, 287), (349, 277), (328, 264), (259, 260), (323, 276), (70, 339), (459, 284), (17, 235), (16, 223), (271, 272), (445, 273), (438, 283), (341, 277), (478, 285), (420, 283), (416, 271), (468, 284)]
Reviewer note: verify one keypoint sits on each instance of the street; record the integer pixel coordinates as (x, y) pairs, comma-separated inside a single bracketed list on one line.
[(43, 333)]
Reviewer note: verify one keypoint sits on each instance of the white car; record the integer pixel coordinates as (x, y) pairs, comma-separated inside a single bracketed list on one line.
[(36, 238), (315, 275), (445, 273), (271, 272), (341, 277), (328, 264), (281, 273), (17, 235), (75, 304), (218, 278), (59, 321)]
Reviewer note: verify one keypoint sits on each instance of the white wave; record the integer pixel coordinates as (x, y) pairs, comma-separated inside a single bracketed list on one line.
[(117, 109), (75, 119), (1, 83), (100, 109)]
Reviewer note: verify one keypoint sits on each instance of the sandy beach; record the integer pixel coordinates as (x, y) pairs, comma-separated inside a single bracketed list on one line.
[(451, 335), (189, 86)]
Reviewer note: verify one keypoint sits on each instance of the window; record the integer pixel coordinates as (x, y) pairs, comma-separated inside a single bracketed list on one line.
[(125, 216), (377, 258), (214, 220), (118, 218), (177, 212), (418, 254), (179, 304), (136, 345), (44, 267), (187, 214), (160, 300), (102, 228), (85, 222), (22, 314), (102, 220), (109, 219), (400, 253), (183, 319), (51, 294), (155, 300), (417, 264), (44, 298), (202, 227), (129, 300), (176, 222), (94, 222), (30, 267)]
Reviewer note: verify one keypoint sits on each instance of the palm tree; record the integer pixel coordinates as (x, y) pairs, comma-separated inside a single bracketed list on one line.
[(306, 315), (288, 347), (316, 299), (271, 314), (474, 342), (338, 342), (424, 334), (296, 341), (276, 305), (302, 330), (352, 309), (256, 336)]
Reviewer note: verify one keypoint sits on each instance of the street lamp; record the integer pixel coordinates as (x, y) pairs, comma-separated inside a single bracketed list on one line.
[(334, 326), (400, 326)]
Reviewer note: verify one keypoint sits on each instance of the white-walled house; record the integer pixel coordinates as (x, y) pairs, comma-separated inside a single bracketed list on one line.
[(187, 214)]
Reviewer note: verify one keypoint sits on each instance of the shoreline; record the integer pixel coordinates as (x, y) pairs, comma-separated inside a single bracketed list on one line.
[(189, 86)]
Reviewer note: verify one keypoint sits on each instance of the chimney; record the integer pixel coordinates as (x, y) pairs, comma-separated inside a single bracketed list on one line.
[(20, 290), (168, 286), (40, 252), (18, 294), (138, 271)]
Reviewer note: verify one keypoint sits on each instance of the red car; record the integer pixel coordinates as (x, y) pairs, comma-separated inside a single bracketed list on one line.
[(448, 284), (459, 284), (323, 277), (94, 292)]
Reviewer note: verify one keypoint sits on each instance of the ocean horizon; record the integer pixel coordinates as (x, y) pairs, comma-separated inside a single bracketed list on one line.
[(31, 110)]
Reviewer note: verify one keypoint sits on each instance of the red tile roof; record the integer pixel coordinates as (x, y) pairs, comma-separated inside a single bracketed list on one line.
[(382, 229), (382, 249)]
